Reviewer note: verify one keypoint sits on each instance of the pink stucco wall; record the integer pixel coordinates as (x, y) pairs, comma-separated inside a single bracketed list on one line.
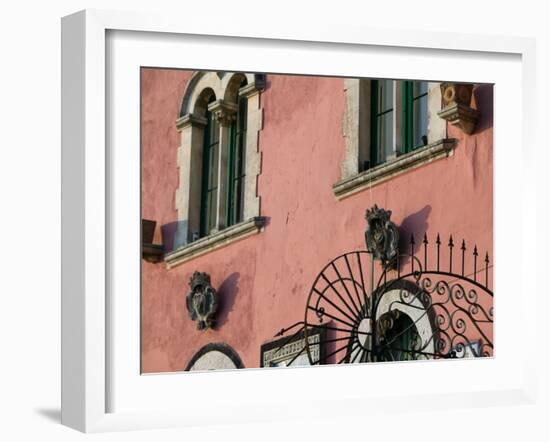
[(263, 280)]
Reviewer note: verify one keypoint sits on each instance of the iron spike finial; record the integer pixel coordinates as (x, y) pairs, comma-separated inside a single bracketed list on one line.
[(425, 242), (412, 253), (438, 245), (487, 269), (463, 248), (451, 245), (475, 262)]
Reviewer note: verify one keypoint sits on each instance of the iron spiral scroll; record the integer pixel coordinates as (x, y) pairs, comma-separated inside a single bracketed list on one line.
[(415, 309)]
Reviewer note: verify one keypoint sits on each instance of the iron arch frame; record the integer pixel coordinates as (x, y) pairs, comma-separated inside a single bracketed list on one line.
[(357, 302)]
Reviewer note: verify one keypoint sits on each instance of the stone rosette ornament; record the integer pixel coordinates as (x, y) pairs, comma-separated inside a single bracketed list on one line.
[(382, 236), (202, 300)]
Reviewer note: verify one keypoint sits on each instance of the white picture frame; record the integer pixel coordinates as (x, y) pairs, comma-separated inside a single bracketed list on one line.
[(92, 364)]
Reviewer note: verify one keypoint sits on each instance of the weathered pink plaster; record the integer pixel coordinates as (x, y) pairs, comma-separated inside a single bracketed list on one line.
[(264, 280)]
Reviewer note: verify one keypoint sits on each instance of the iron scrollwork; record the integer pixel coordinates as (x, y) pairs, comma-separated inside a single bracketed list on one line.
[(423, 308), (202, 300)]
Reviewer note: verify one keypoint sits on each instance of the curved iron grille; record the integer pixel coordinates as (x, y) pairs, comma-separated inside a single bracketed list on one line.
[(410, 312)]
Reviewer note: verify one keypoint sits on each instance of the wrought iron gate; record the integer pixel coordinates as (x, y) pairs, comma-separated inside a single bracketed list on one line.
[(430, 303)]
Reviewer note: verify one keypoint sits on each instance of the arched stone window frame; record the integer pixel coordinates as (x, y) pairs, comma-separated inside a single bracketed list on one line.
[(191, 123), (356, 132), (215, 356)]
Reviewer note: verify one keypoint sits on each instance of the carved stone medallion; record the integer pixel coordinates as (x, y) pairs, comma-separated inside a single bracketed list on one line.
[(382, 236), (202, 300)]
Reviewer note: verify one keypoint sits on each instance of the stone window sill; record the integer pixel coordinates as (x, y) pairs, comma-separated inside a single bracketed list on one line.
[(215, 241), (369, 178)]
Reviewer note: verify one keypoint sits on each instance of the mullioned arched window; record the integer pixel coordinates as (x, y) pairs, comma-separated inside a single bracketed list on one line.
[(219, 162)]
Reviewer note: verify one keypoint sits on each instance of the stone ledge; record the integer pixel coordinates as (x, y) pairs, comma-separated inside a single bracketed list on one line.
[(461, 116), (369, 178), (215, 241), (152, 252)]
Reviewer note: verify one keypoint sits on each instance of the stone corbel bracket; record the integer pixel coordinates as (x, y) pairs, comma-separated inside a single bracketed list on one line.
[(455, 106), (150, 252)]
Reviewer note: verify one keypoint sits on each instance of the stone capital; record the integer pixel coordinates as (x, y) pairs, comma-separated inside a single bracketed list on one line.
[(225, 113)]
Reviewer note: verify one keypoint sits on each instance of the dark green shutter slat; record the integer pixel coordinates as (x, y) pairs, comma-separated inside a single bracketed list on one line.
[(374, 123), (236, 165), (209, 183)]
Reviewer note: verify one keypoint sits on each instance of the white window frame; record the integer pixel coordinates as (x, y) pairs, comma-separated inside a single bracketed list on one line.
[(356, 131)]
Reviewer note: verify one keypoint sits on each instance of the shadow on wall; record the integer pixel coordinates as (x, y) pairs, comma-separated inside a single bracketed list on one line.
[(415, 224), (227, 293), (483, 95), (169, 234)]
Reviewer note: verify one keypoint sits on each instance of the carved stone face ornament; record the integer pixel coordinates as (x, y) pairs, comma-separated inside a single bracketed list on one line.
[(382, 236), (202, 300)]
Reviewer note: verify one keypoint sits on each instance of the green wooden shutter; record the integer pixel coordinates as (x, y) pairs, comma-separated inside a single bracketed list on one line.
[(381, 121), (415, 108), (236, 164)]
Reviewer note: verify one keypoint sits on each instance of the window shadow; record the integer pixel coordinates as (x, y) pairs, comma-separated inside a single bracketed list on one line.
[(169, 234)]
